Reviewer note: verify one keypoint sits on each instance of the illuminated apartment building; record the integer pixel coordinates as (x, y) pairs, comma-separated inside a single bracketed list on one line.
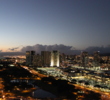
[(55, 59)]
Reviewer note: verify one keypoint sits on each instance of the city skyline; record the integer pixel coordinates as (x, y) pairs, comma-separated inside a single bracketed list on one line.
[(80, 24)]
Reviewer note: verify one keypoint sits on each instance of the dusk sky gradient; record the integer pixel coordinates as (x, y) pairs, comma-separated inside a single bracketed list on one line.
[(77, 23)]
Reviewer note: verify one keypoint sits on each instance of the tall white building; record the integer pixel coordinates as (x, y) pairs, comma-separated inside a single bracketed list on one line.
[(55, 60)]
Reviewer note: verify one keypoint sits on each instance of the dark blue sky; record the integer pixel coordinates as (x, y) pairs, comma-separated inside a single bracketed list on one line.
[(77, 23)]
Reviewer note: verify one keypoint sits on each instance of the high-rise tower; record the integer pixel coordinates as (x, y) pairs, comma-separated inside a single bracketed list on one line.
[(84, 59), (96, 58), (29, 57), (55, 58), (45, 58)]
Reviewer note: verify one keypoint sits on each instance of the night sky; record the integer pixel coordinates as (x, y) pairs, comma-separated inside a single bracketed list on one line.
[(77, 23)]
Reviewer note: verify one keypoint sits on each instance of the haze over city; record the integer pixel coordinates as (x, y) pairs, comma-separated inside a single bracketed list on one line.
[(54, 24)]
